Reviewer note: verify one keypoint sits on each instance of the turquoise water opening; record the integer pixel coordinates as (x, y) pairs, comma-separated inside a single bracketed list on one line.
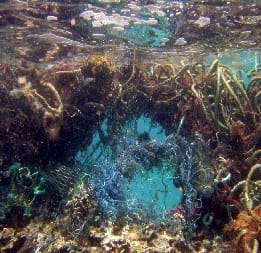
[(155, 189), (137, 182), (243, 63)]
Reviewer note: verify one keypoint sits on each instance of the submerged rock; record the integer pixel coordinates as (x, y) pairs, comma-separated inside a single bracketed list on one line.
[(202, 22)]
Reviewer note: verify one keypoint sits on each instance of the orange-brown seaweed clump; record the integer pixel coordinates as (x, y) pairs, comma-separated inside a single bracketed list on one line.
[(246, 230), (98, 67)]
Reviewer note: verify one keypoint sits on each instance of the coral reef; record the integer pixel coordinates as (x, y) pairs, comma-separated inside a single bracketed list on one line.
[(49, 239), (215, 148), (60, 93)]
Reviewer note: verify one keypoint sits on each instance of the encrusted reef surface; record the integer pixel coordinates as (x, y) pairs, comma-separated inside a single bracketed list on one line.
[(69, 72)]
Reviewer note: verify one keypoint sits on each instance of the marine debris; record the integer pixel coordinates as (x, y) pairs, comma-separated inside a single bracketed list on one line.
[(218, 173), (86, 132)]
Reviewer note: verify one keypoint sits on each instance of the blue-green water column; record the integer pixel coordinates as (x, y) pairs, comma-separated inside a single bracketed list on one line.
[(149, 188)]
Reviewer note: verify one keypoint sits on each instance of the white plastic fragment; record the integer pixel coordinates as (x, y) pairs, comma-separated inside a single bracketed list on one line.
[(164, 40), (118, 28), (109, 1), (52, 18), (73, 22), (98, 35), (151, 21), (100, 19)]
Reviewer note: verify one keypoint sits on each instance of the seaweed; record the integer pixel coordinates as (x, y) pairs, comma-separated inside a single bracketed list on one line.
[(247, 231), (212, 148)]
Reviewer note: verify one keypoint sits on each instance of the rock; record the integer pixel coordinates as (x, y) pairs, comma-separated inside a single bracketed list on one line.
[(116, 230), (95, 239), (181, 42), (10, 241), (148, 234), (163, 41), (202, 22), (95, 250), (115, 245)]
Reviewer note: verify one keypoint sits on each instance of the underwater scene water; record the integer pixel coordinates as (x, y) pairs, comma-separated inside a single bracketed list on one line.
[(130, 126)]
